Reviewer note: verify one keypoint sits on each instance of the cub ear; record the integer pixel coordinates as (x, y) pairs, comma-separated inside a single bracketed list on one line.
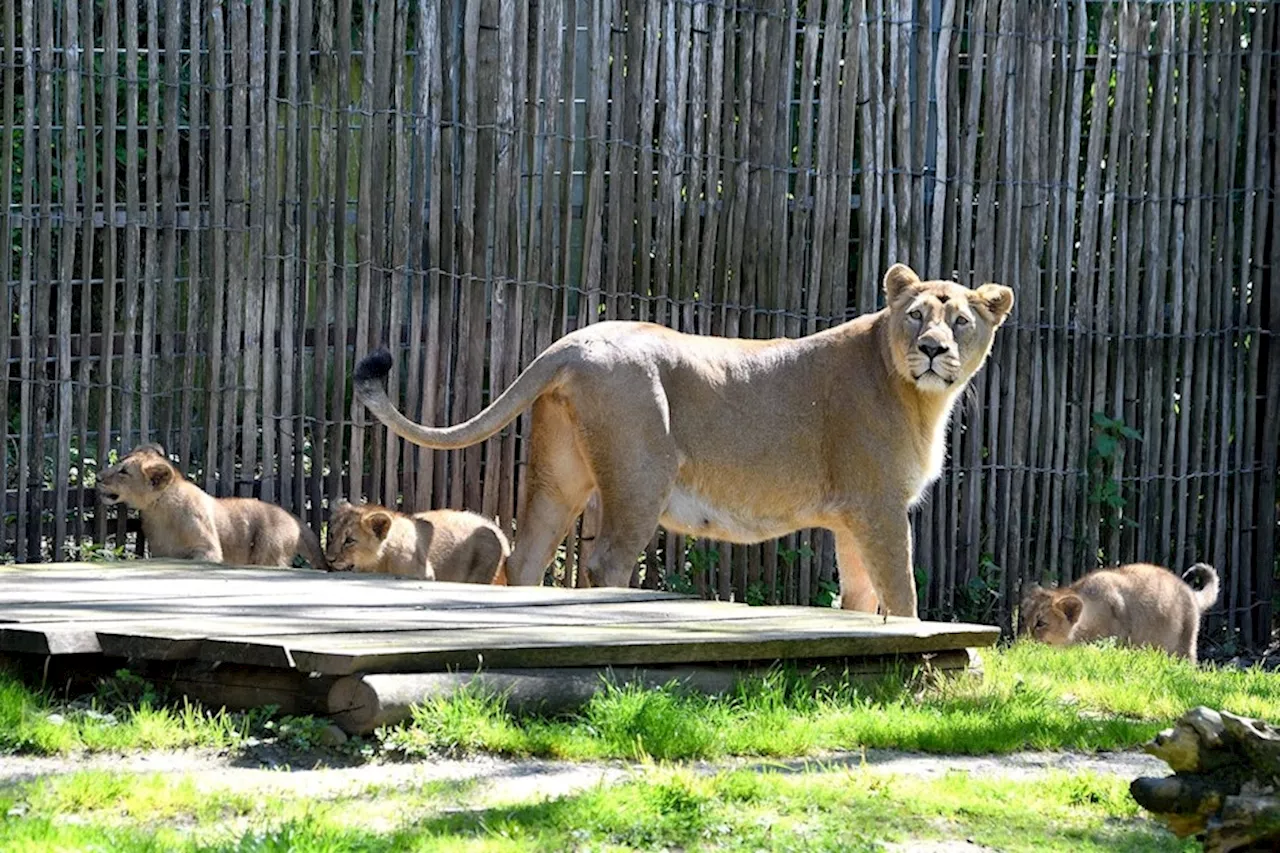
[(158, 474), (897, 280), (377, 523), (1071, 607), (340, 505), (997, 300)]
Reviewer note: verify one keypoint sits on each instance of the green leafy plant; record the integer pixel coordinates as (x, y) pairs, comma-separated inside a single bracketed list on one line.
[(1105, 450), (978, 598), (826, 593)]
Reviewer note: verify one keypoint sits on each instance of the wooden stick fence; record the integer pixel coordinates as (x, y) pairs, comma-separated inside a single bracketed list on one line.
[(212, 208)]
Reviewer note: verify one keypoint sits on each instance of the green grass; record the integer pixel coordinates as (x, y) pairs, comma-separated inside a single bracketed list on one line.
[(844, 810), (30, 722), (1033, 697)]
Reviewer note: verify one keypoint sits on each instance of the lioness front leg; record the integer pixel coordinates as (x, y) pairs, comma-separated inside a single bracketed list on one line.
[(883, 555)]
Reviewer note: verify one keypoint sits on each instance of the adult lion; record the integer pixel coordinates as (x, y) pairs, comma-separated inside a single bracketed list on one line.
[(738, 440)]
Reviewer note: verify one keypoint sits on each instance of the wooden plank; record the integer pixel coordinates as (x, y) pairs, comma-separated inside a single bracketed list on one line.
[(42, 284), (181, 636), (400, 240), (170, 172), (66, 640), (110, 248), (679, 642), (218, 241), (294, 273), (9, 57), (262, 616), (86, 582), (275, 326), (151, 395), (26, 277), (239, 273), (67, 258), (195, 243), (88, 234), (338, 36)]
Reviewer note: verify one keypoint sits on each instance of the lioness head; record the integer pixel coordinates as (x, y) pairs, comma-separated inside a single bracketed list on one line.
[(1048, 615), (139, 478), (356, 536), (941, 331)]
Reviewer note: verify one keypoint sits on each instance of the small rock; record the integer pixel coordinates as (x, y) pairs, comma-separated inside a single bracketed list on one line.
[(56, 719), (331, 735)]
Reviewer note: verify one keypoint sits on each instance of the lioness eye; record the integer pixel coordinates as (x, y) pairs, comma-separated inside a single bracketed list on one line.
[(962, 320), (916, 315)]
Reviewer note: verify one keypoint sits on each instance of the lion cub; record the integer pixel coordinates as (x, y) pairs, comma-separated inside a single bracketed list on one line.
[(442, 544), (1138, 604), (183, 521)]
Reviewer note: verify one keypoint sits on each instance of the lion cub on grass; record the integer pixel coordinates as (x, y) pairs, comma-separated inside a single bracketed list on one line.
[(183, 521), (1138, 604), (442, 544)]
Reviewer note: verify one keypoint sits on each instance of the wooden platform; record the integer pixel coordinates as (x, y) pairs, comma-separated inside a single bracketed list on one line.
[(330, 625)]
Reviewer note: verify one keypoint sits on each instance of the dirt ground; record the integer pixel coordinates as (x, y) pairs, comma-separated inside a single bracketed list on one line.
[(499, 780)]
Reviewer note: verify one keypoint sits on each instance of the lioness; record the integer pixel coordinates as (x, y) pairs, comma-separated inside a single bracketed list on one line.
[(183, 521), (1138, 604), (442, 544), (739, 440)]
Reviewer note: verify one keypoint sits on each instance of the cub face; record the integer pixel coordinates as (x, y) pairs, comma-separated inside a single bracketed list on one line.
[(356, 536), (139, 478), (941, 332), (1049, 615)]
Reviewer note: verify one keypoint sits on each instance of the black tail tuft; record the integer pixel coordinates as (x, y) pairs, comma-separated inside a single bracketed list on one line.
[(374, 366)]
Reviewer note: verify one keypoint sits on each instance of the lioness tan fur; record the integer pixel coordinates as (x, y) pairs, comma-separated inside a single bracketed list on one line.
[(738, 440), (183, 521), (1138, 604), (442, 544)]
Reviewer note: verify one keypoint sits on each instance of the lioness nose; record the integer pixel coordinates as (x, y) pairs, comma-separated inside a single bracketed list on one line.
[(931, 349)]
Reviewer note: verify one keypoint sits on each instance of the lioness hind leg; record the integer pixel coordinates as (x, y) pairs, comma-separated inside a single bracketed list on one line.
[(557, 485), (633, 490), (856, 589)]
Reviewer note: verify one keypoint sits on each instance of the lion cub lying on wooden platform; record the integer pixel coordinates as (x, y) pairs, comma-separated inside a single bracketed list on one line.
[(183, 521), (442, 544), (1138, 604)]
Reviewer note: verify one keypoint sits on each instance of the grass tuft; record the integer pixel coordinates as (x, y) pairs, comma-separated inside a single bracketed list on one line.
[(1032, 697)]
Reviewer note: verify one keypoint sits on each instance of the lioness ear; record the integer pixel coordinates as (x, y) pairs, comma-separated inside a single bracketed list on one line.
[(997, 299), (377, 523), (898, 279), (158, 475), (1071, 607)]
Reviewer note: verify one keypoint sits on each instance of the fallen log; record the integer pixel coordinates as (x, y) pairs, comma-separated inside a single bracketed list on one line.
[(1224, 787), (364, 702)]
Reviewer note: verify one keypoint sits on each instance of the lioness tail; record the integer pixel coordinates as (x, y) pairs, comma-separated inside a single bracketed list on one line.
[(370, 378), (1203, 581)]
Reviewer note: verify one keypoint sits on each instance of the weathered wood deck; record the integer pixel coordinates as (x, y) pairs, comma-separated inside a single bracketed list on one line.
[(308, 623)]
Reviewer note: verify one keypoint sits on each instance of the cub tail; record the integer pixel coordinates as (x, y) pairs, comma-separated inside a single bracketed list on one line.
[(1203, 581)]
